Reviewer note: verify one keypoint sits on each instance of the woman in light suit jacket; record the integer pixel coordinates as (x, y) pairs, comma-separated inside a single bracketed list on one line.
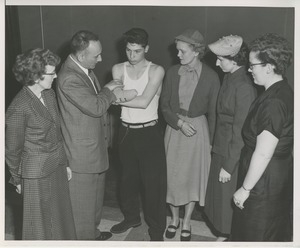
[(235, 97), (34, 150)]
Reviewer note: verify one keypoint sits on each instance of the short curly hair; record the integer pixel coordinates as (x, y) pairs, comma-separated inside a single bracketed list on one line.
[(136, 35), (31, 65), (241, 58), (273, 49)]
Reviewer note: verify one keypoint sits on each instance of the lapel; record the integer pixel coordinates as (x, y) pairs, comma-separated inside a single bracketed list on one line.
[(198, 87), (95, 80), (74, 67), (38, 106)]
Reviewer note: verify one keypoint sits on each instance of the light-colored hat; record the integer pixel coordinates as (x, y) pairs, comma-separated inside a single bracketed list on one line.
[(227, 45), (191, 36)]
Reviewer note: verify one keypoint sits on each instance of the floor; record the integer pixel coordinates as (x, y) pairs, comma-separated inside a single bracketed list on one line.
[(111, 215)]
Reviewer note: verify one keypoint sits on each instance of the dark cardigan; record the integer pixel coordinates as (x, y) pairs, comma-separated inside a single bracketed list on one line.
[(203, 101)]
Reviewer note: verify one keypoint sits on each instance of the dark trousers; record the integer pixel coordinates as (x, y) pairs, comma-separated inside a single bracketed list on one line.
[(87, 193), (142, 156)]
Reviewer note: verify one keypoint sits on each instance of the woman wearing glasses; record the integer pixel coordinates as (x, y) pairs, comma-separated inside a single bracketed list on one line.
[(34, 150), (264, 195), (235, 97)]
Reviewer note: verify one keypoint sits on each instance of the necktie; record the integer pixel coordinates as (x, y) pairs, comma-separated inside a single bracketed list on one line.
[(92, 76)]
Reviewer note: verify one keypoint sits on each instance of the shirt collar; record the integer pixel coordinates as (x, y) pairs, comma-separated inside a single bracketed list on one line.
[(86, 71)]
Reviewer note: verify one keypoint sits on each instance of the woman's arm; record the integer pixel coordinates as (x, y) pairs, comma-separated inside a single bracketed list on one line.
[(244, 96), (264, 150), (15, 121), (169, 84)]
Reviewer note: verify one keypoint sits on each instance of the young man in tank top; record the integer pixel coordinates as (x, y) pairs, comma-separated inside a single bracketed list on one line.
[(141, 146)]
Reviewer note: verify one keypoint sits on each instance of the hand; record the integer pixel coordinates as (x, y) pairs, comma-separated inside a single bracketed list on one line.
[(124, 95), (224, 176), (188, 129), (69, 173), (18, 189), (240, 196), (113, 84)]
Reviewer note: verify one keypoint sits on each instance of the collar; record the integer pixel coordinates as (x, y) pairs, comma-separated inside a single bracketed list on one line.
[(86, 71), (187, 68)]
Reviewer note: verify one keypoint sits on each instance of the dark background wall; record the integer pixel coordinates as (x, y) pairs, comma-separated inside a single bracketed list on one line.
[(53, 26)]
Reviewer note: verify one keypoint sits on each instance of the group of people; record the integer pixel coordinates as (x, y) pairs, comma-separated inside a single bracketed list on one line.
[(224, 147)]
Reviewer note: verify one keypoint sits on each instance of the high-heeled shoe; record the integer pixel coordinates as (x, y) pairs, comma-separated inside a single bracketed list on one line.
[(169, 234), (186, 238)]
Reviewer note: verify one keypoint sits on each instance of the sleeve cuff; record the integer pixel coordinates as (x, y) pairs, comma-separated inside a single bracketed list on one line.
[(230, 164)]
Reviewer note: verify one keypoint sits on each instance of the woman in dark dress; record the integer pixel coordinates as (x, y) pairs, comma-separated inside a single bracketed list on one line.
[(264, 196), (235, 97), (34, 150)]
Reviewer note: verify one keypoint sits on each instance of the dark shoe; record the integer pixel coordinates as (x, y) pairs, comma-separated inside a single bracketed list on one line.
[(104, 236), (124, 226), (186, 238), (169, 234)]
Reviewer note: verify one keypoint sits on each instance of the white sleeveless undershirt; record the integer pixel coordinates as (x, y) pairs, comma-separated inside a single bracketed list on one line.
[(138, 115)]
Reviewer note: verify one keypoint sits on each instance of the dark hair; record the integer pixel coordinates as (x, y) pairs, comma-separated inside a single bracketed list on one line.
[(198, 48), (136, 35), (81, 40), (273, 49), (241, 58), (30, 65)]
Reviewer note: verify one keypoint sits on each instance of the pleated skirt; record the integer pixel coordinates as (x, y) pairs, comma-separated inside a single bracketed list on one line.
[(47, 211), (188, 163)]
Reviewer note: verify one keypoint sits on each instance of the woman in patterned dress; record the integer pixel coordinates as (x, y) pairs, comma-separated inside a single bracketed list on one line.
[(34, 150)]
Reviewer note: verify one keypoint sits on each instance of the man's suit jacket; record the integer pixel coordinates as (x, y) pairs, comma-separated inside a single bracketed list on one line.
[(83, 113), (33, 141)]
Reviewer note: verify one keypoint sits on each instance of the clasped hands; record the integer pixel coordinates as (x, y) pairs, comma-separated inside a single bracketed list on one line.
[(187, 129), (116, 86)]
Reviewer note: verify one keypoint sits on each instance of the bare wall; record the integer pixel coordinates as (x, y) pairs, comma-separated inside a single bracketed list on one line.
[(55, 25)]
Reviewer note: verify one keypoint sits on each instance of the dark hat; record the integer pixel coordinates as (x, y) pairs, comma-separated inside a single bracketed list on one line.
[(227, 45), (191, 36)]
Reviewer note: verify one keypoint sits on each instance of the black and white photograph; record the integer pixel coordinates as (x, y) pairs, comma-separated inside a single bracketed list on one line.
[(150, 123)]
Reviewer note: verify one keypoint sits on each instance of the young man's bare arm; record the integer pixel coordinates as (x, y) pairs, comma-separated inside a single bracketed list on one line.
[(156, 75)]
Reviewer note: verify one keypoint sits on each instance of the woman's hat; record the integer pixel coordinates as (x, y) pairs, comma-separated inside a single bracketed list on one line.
[(191, 36), (227, 45)]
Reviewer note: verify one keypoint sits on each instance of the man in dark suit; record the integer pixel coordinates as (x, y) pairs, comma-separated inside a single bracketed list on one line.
[(83, 105)]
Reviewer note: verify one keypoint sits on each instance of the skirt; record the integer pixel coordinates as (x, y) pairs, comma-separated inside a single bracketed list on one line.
[(188, 163), (219, 204), (47, 208)]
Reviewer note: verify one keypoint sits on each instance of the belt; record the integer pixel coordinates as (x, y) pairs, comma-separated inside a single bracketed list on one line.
[(139, 125), (183, 112)]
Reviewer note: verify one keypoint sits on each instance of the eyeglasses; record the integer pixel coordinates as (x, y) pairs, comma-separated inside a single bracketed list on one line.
[(252, 65), (50, 73)]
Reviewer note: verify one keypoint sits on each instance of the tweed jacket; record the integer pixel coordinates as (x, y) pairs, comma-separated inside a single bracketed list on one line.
[(235, 98), (83, 119), (203, 101), (33, 141)]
